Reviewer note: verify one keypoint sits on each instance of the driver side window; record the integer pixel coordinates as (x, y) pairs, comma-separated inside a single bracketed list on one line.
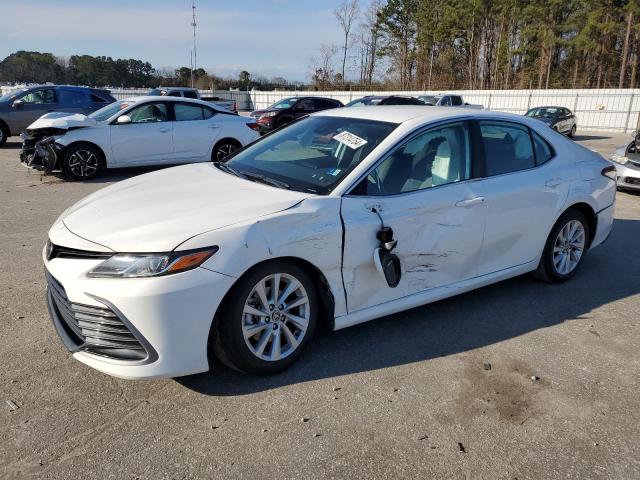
[(46, 95), (432, 158), (149, 113)]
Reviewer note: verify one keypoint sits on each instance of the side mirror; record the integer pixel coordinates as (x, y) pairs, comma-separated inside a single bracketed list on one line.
[(123, 119), (17, 103)]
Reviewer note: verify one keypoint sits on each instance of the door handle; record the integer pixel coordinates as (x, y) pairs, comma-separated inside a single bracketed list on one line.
[(214, 126), (373, 206), (470, 202), (553, 182), (164, 129)]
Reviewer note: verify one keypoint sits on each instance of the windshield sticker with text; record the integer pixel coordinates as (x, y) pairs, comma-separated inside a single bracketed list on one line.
[(350, 140)]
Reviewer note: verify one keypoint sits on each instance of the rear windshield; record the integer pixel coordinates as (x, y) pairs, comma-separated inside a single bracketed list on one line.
[(313, 154)]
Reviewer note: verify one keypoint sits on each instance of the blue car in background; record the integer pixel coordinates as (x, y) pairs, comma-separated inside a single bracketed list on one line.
[(21, 107)]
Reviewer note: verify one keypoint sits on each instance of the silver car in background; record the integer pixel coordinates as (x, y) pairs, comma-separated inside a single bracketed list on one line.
[(627, 163)]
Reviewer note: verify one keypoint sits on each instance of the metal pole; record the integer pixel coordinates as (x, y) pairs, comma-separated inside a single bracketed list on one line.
[(626, 123)]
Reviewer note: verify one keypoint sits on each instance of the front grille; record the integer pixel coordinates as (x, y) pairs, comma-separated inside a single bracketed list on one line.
[(632, 180), (56, 251), (98, 330)]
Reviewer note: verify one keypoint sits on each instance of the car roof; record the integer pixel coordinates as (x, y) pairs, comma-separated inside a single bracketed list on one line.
[(66, 87), (548, 106), (415, 113), (155, 98)]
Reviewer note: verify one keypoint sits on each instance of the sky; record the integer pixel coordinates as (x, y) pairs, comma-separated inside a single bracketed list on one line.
[(265, 37)]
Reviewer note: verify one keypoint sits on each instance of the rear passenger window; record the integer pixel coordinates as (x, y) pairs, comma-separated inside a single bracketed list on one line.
[(97, 99), (456, 101), (71, 98), (187, 113), (208, 112), (542, 148), (507, 147), (190, 94)]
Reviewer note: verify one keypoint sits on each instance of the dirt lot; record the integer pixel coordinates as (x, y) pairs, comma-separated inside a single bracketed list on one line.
[(407, 396)]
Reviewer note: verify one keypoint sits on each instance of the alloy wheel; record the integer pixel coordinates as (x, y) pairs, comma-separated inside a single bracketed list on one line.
[(225, 150), (569, 247), (275, 317), (83, 163)]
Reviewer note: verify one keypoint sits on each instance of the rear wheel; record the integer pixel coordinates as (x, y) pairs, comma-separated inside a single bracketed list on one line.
[(268, 319), (224, 149), (565, 248), (82, 161)]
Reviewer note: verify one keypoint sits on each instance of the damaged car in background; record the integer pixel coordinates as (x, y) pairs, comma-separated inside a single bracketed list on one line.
[(338, 218), (134, 132)]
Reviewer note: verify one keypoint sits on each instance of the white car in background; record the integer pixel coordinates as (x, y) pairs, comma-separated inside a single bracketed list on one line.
[(341, 217), (135, 132)]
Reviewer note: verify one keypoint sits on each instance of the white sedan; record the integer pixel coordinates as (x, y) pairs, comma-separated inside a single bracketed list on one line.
[(135, 132), (339, 218)]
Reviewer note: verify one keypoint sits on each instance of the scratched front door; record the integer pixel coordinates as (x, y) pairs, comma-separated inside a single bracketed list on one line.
[(438, 223)]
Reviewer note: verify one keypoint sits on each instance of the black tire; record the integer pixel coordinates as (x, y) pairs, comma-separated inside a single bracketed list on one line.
[(223, 149), (572, 132), (229, 344), (283, 121), (82, 161), (4, 134), (547, 270)]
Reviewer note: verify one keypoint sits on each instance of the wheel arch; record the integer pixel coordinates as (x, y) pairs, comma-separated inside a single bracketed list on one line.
[(590, 214), (326, 313)]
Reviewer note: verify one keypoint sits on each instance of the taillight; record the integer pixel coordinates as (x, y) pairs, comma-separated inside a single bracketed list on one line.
[(253, 126), (610, 172)]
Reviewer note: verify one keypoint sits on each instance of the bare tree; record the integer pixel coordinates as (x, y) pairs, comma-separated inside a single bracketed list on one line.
[(346, 14), (322, 71)]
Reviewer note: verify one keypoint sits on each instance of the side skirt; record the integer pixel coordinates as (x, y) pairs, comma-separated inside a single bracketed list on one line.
[(431, 295)]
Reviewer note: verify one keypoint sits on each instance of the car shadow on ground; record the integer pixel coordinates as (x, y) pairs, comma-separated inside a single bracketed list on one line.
[(462, 323), (582, 137)]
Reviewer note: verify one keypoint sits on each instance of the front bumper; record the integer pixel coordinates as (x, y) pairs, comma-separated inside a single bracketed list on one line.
[(40, 154), (628, 175), (170, 316)]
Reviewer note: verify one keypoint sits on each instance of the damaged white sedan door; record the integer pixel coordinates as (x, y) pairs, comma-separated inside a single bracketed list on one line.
[(424, 190)]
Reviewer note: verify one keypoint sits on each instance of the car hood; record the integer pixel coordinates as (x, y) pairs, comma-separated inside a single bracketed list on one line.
[(158, 211), (62, 120), (257, 113)]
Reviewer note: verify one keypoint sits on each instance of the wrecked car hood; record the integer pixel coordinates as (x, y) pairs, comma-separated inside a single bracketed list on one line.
[(62, 120), (158, 211)]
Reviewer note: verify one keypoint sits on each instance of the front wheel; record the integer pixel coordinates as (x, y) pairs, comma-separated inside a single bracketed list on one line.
[(268, 320), (4, 134), (572, 132), (565, 248), (82, 162)]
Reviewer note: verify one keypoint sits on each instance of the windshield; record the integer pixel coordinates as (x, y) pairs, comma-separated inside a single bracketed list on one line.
[(313, 154), (364, 101), (282, 104), (110, 110), (542, 112), (429, 99), (12, 94)]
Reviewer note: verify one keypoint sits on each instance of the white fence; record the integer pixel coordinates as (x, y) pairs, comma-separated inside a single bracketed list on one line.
[(614, 110)]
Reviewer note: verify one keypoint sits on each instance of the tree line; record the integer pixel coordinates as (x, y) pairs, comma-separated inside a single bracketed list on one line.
[(35, 67), (482, 44)]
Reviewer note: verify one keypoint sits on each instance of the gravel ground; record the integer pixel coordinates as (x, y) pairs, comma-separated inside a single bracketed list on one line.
[(407, 396)]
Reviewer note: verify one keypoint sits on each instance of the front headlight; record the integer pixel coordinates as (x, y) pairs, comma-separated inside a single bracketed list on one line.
[(135, 265), (619, 159), (269, 114)]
